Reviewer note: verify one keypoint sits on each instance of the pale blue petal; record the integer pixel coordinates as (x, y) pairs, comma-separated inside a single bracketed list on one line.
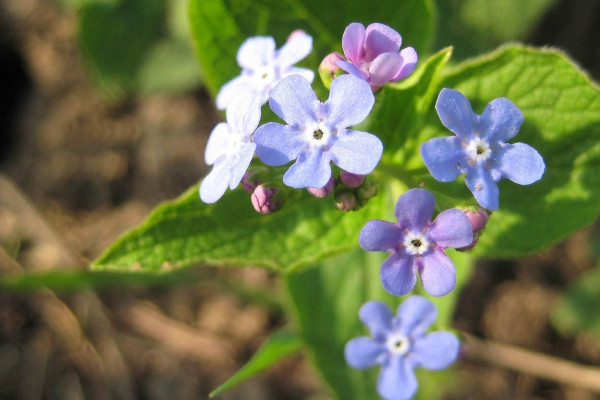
[(415, 315), (451, 228), (239, 85), (298, 46), (377, 316), (378, 235), (398, 275), (356, 152), (217, 143), (350, 68), (312, 169), (350, 101), (306, 73), (352, 42), (383, 68), (410, 62), (256, 52), (278, 144), (500, 121), (521, 163), (437, 272), (436, 350), (397, 380), (479, 180), (294, 101), (241, 163), (215, 183), (243, 114), (363, 352), (456, 113), (443, 157), (379, 39), (414, 209)]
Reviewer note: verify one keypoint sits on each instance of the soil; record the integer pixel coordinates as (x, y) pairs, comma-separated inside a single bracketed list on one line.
[(85, 170)]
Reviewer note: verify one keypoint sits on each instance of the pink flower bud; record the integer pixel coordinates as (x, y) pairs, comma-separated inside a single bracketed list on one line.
[(478, 220), (329, 70), (351, 180), (345, 201), (265, 199), (324, 191)]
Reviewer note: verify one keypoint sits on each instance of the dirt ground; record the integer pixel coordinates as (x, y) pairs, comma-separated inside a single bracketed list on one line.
[(84, 171)]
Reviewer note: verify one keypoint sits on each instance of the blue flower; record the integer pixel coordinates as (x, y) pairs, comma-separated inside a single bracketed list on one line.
[(479, 149), (230, 149), (400, 344), (317, 132), (417, 244), (263, 67)]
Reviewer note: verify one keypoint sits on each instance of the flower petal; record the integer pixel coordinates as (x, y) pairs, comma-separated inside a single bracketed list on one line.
[(383, 68), (415, 315), (521, 163), (379, 39), (479, 180), (456, 113), (500, 121), (298, 46), (312, 169), (241, 163), (256, 52), (443, 156), (451, 228), (350, 68), (378, 235), (306, 73), (438, 274), (436, 350), (414, 209), (397, 273), (215, 183), (239, 85), (356, 152), (410, 62), (397, 380), (377, 316), (217, 144), (363, 352), (294, 101), (350, 101), (352, 42), (243, 114), (277, 144)]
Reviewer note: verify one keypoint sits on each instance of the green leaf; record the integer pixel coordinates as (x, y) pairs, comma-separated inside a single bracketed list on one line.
[(562, 121), (577, 310), (188, 232), (220, 26), (280, 345), (326, 300)]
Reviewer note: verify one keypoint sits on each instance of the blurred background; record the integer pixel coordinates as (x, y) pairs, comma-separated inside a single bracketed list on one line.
[(103, 115)]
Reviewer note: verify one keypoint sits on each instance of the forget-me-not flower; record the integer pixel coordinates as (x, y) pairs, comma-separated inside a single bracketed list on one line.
[(400, 344), (230, 149), (417, 244), (263, 67), (317, 132), (479, 149), (372, 54)]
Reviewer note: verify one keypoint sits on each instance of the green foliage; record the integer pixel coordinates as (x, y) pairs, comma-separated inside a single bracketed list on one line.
[(137, 46), (220, 26), (326, 300), (577, 310), (188, 232), (277, 347)]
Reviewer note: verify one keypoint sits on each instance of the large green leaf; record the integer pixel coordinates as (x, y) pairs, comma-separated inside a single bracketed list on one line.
[(220, 26), (188, 232), (280, 345), (326, 300), (562, 121)]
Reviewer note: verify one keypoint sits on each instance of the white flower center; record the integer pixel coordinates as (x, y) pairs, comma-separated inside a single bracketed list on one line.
[(398, 344), (478, 150), (415, 243), (319, 134)]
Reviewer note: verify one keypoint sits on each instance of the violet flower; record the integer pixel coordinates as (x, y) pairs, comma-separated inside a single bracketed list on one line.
[(417, 244)]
